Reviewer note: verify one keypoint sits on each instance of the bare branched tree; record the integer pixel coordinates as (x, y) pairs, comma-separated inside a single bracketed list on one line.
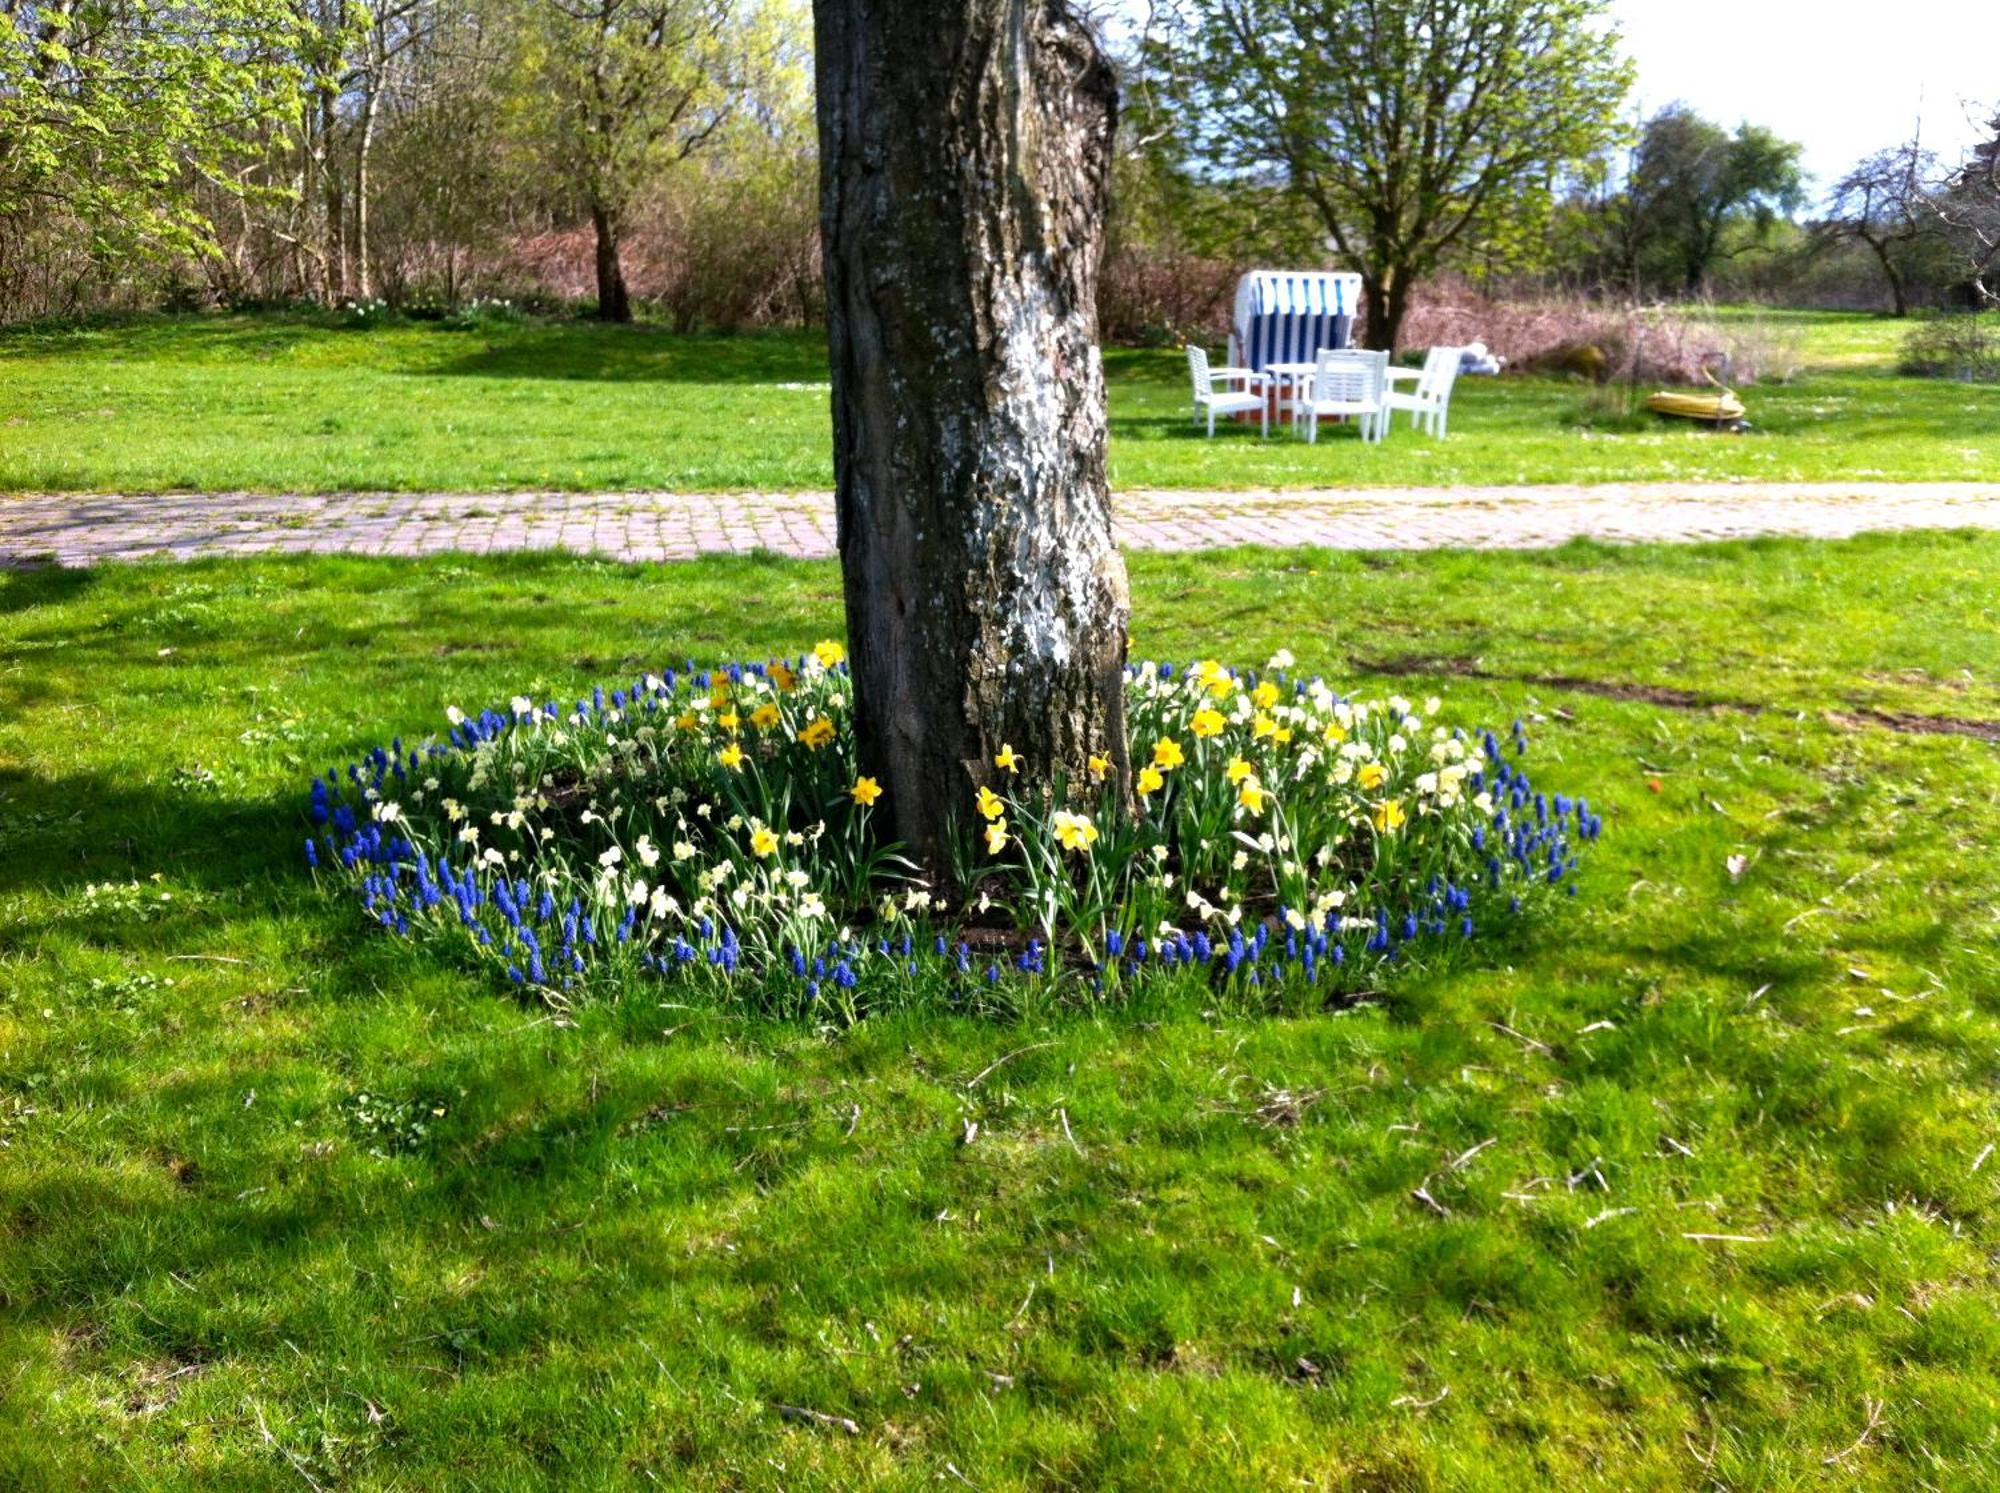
[(1884, 203)]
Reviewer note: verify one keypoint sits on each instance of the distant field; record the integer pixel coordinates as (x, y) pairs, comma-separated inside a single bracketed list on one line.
[(287, 403)]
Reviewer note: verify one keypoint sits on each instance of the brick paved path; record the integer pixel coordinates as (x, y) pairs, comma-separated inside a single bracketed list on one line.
[(80, 529)]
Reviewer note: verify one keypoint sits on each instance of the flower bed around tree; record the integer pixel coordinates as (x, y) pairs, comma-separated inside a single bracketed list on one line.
[(712, 827)]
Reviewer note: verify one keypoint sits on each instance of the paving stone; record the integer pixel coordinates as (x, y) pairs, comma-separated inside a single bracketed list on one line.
[(85, 529)]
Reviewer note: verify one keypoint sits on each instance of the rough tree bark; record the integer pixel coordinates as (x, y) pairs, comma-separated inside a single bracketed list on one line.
[(965, 152)]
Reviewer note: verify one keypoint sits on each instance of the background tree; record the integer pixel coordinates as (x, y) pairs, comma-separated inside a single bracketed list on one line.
[(965, 156), (1884, 204), (1969, 211), (1693, 182), (112, 112), (1412, 129), (633, 85)]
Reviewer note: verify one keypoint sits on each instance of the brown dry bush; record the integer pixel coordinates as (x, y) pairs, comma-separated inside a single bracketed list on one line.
[(1600, 341)]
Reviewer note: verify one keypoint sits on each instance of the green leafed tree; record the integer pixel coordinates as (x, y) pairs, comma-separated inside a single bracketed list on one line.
[(619, 90), (113, 111), (1413, 131), (1694, 184)]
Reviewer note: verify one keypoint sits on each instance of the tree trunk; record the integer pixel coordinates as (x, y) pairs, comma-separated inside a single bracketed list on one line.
[(1387, 296), (1898, 292), (965, 152), (364, 145), (333, 226), (613, 303)]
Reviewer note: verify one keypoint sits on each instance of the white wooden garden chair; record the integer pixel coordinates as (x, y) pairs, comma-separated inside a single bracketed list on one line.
[(1347, 384), (1429, 403), (1227, 400)]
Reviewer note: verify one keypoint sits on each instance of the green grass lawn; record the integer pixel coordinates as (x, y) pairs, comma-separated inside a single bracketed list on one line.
[(286, 1203), (290, 404)]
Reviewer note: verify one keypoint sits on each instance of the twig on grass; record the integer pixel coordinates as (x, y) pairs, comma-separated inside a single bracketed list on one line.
[(1022, 1310), (1874, 1409), (1542, 1047), (1423, 1195), (211, 958), (1459, 1162), (1980, 1160), (1063, 1115), (818, 1418), (1005, 1057)]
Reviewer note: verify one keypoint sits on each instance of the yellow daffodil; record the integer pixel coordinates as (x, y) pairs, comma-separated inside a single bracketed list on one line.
[(763, 842), (990, 806), (1217, 680), (729, 720), (1074, 830), (818, 732), (765, 715), (731, 757), (687, 720), (1372, 775), (1167, 754), (718, 697), (1265, 695), (996, 836), (1389, 815), (865, 791), (783, 675), (1335, 733), (1282, 735), (1238, 769), (1207, 721), (829, 652), (1150, 780), (1261, 727), (1007, 759), (1252, 796), (1099, 765)]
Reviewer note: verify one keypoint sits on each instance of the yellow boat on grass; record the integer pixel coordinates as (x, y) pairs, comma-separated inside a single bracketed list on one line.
[(1721, 409)]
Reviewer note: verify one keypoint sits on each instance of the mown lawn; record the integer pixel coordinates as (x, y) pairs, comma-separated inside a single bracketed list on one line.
[(291, 404), (286, 1203)]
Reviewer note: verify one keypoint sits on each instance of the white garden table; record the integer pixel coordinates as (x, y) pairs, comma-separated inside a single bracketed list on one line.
[(1288, 384)]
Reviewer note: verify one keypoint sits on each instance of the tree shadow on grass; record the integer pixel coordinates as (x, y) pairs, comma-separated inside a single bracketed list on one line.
[(640, 354), (30, 586), (87, 827)]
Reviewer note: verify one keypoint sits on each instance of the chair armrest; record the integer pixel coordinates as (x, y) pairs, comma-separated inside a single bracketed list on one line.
[(1414, 375), (1248, 375)]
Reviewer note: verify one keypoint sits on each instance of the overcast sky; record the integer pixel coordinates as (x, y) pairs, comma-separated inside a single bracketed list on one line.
[(1841, 78)]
